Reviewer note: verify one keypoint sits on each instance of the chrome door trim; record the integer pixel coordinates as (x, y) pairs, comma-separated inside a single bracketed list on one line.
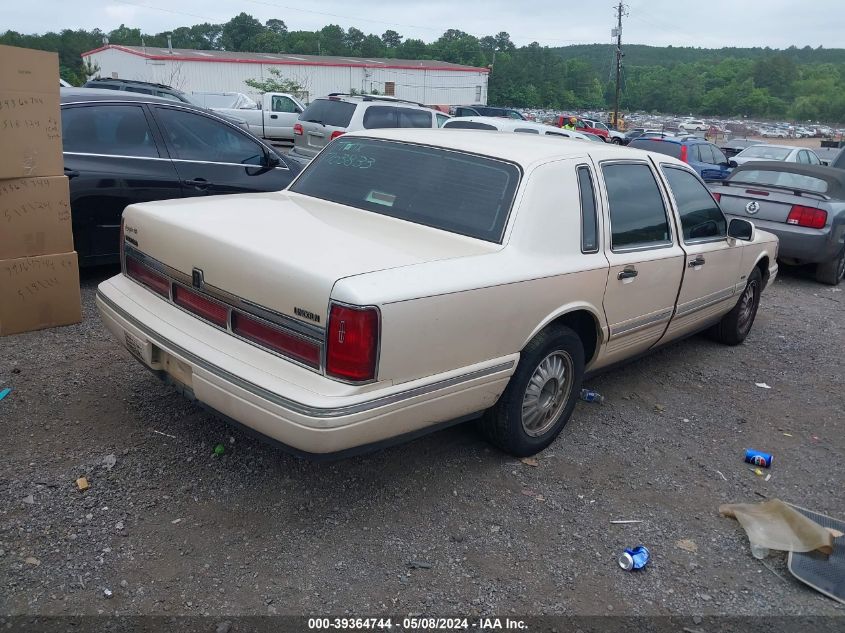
[(704, 302), (639, 324)]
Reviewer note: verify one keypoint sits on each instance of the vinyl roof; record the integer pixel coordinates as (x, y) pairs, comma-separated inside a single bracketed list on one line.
[(284, 59)]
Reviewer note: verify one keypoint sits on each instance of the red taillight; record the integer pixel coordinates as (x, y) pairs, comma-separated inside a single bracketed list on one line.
[(335, 134), (152, 280), (122, 240), (718, 197), (808, 217), (199, 305), (684, 153), (273, 338), (297, 129), (352, 343)]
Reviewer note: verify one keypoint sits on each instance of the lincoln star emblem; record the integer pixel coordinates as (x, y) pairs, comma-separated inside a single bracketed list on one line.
[(752, 207)]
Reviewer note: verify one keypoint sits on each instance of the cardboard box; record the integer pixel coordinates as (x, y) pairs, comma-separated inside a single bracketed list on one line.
[(34, 217), (39, 292), (30, 119)]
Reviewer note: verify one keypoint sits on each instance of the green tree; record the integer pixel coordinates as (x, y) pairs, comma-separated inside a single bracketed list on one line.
[(240, 30), (276, 26), (391, 39), (275, 83)]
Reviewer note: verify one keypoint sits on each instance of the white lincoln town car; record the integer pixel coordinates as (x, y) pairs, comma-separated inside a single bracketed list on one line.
[(409, 279)]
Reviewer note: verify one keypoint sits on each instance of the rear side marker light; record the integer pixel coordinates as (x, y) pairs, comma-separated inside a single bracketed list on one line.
[(717, 197), (352, 343), (209, 310), (151, 279), (808, 217), (297, 129), (272, 338)]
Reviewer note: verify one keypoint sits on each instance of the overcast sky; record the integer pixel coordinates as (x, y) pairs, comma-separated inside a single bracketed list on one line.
[(714, 23)]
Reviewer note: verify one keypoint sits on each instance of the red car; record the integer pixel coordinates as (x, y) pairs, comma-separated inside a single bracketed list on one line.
[(584, 125)]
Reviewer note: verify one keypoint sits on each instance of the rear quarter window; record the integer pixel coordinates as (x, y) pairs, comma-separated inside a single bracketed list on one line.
[(328, 112), (469, 125), (448, 190)]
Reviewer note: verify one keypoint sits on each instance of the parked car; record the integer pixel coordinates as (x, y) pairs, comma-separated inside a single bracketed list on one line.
[(482, 110), (273, 119), (224, 100), (409, 279), (125, 148), (139, 87), (804, 205), (510, 125), (693, 125), (636, 132), (327, 118), (733, 147), (582, 125), (785, 153), (838, 161), (704, 157)]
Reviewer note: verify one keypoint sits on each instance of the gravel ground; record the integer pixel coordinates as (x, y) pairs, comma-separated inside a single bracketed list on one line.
[(444, 525)]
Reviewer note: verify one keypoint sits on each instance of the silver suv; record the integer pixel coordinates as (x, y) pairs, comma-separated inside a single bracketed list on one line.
[(329, 117)]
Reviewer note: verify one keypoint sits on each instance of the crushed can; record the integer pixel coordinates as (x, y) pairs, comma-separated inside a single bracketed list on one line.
[(758, 458), (634, 558)]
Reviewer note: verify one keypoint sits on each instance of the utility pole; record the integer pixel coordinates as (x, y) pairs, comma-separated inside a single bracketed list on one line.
[(620, 8)]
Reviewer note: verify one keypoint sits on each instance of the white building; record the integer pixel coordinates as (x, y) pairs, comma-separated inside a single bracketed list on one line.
[(425, 81)]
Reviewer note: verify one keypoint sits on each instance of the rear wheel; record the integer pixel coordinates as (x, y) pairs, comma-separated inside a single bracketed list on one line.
[(832, 272), (736, 324), (540, 396), (616, 141)]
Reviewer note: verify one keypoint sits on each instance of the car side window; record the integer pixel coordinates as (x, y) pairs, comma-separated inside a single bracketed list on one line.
[(406, 117), (283, 104), (804, 157), (379, 117), (526, 130), (637, 214), (718, 155), (701, 217), (116, 130), (589, 219), (814, 160), (193, 136), (694, 154), (167, 95), (441, 119)]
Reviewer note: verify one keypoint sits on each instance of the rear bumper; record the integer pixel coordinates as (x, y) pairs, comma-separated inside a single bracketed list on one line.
[(287, 403), (810, 246)]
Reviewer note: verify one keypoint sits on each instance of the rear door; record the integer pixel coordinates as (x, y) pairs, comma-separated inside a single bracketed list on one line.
[(319, 120), (214, 157), (646, 261), (113, 158), (711, 274)]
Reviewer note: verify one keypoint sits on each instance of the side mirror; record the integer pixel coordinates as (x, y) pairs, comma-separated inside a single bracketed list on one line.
[(740, 229), (732, 164), (271, 160)]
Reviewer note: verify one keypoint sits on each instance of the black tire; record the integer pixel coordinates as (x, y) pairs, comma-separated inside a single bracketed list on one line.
[(736, 324), (616, 141), (832, 272), (503, 424)]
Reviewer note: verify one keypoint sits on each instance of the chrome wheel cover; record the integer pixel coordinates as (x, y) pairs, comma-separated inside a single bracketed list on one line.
[(547, 393), (747, 307)]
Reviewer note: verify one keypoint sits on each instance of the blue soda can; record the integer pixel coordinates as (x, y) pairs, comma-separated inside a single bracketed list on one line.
[(758, 458), (634, 558)]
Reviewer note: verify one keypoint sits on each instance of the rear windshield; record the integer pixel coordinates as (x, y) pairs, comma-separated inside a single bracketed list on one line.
[(766, 153), (469, 125), (662, 147), (448, 190), (328, 112), (780, 179)]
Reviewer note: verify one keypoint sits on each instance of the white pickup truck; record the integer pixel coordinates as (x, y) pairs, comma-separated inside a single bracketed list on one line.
[(274, 117)]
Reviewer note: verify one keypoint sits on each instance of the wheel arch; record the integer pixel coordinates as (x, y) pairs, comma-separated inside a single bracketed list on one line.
[(584, 320)]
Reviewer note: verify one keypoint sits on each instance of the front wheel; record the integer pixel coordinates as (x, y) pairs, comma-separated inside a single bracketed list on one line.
[(832, 272), (617, 141), (540, 396), (736, 324)]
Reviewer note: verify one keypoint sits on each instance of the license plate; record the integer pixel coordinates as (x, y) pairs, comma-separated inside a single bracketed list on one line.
[(134, 346)]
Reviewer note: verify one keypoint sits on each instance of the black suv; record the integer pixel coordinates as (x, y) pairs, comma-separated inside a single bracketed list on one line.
[(124, 148), (140, 87)]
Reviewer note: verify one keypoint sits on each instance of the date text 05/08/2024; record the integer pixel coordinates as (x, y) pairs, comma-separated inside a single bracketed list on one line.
[(417, 624)]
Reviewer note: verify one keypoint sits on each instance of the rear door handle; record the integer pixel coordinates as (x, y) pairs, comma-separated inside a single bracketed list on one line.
[(71, 173), (274, 116), (627, 273), (698, 261), (199, 183)]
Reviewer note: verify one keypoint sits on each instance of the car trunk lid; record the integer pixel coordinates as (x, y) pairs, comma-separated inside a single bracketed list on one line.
[(319, 121), (763, 203), (283, 251)]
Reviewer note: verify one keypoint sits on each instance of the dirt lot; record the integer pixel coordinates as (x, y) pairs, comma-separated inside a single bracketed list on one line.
[(444, 525)]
